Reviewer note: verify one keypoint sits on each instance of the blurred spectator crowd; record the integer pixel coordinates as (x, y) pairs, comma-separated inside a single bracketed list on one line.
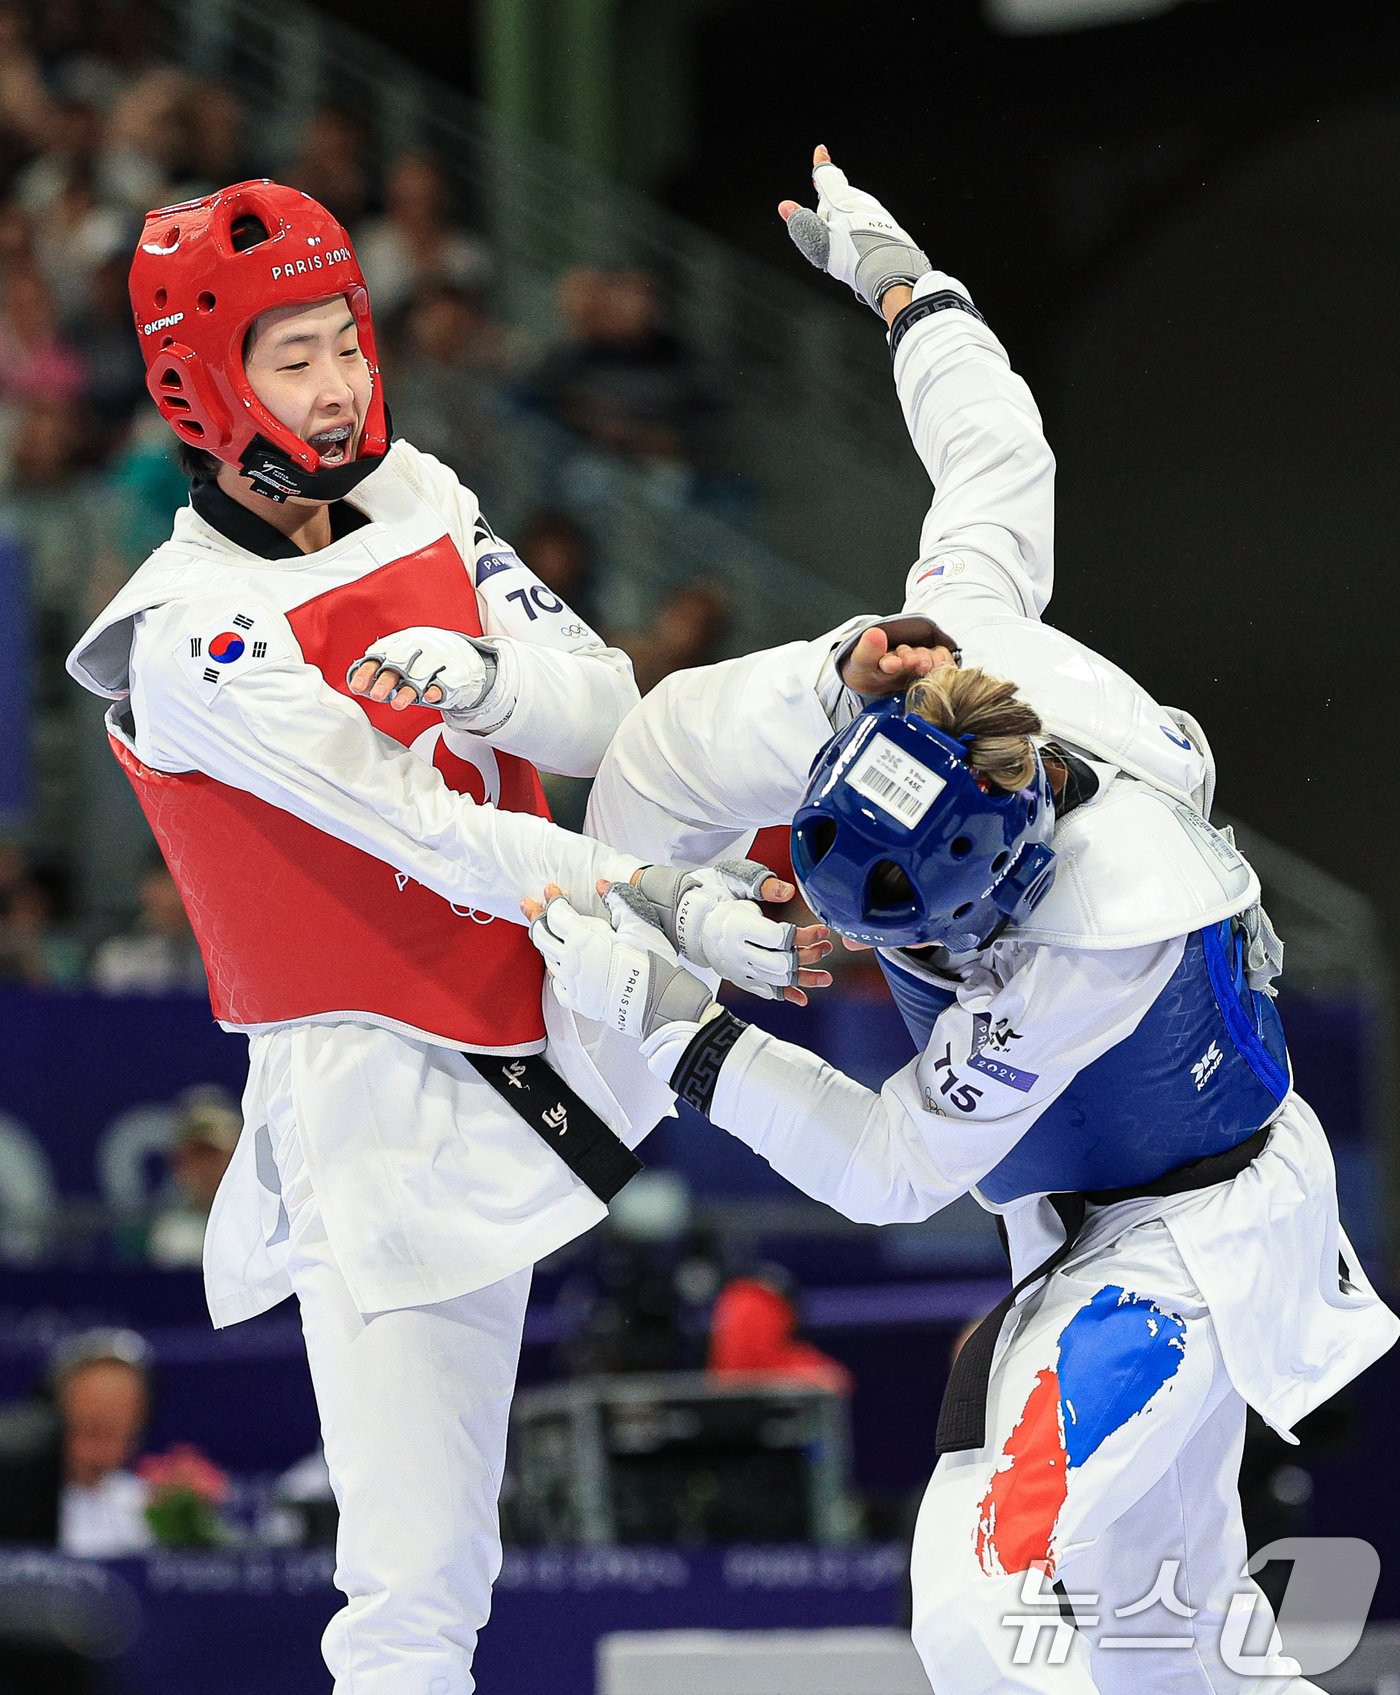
[(96, 127)]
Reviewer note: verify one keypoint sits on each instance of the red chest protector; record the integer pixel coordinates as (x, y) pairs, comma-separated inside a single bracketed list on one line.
[(294, 923)]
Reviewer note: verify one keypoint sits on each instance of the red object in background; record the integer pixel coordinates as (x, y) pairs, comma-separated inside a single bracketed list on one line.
[(753, 1329)]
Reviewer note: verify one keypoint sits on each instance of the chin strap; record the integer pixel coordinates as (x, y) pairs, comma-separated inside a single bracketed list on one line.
[(276, 475)]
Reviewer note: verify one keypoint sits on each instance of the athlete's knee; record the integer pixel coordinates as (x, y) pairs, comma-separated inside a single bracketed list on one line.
[(374, 1646)]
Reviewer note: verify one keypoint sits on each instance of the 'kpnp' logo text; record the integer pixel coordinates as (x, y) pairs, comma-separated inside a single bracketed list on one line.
[(162, 323), (317, 262)]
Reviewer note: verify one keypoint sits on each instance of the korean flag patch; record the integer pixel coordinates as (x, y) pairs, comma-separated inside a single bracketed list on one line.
[(216, 652)]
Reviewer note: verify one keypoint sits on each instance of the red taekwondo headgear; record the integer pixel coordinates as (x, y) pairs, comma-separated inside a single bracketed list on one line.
[(203, 271)]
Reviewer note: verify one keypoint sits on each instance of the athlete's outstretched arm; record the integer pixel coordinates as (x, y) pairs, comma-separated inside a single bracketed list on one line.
[(538, 682), (988, 538), (714, 753), (942, 1123), (276, 729), (1024, 1024)]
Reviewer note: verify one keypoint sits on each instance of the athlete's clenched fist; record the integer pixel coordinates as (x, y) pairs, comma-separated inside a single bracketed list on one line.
[(619, 970), (709, 913), (425, 667)]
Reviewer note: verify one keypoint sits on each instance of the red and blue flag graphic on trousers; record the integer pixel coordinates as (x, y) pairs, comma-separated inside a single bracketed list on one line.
[(1115, 1354)]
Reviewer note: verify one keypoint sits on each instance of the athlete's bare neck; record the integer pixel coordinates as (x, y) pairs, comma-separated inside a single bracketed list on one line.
[(305, 523)]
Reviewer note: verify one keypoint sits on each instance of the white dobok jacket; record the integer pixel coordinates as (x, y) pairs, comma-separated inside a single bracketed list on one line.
[(354, 874), (1145, 889)]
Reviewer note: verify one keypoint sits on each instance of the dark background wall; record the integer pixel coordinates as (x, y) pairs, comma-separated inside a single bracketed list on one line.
[(1184, 228)]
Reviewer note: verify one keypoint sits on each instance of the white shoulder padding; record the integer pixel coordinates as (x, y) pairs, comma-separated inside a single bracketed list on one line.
[(197, 560), (1135, 867), (101, 661), (1087, 701)]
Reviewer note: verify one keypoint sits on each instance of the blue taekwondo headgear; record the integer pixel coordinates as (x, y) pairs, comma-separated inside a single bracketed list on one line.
[(896, 844)]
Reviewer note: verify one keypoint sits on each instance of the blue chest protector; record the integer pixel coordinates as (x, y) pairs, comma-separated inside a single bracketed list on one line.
[(1204, 1070)]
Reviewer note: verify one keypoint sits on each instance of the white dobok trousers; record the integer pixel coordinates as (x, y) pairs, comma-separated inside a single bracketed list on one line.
[(414, 1406), (1110, 1466)]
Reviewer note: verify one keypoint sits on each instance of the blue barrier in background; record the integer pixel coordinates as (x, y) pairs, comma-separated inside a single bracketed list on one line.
[(231, 1622), (235, 1622), (71, 1064)]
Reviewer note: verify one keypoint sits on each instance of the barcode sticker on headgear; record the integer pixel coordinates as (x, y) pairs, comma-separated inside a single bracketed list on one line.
[(897, 783)]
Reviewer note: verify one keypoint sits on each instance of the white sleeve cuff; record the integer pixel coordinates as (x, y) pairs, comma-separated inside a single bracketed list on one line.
[(494, 708), (935, 282), (662, 1050)]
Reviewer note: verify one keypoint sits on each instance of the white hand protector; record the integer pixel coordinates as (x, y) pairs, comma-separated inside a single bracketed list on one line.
[(462, 667), (710, 917), (853, 238), (620, 971)]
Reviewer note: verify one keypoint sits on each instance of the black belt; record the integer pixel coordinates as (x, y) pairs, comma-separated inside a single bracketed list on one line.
[(595, 1154), (962, 1419)]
